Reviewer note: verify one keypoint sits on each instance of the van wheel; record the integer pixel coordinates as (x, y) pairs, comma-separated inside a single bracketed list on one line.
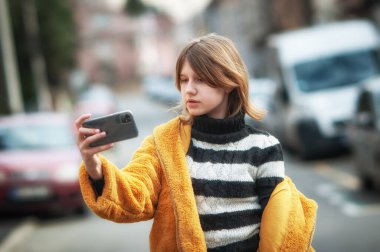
[(308, 132), (306, 155)]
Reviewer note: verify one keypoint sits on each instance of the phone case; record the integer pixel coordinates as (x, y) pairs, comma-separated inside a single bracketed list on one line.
[(118, 126)]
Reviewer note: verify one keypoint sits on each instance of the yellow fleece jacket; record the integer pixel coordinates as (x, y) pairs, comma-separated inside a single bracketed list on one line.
[(156, 184)]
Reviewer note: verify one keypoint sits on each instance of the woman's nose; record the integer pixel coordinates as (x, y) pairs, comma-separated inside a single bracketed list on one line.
[(190, 87)]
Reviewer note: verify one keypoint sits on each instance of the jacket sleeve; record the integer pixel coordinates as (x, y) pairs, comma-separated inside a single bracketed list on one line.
[(288, 221), (130, 194)]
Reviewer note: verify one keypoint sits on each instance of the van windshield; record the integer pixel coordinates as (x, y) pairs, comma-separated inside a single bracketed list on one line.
[(336, 71)]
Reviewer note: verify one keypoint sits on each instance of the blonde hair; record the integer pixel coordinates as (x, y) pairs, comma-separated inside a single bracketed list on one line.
[(216, 60)]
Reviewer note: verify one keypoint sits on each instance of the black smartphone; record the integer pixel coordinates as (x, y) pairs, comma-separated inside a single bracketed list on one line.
[(118, 126)]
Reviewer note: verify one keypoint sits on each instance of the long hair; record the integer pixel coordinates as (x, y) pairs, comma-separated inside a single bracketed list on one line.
[(217, 62)]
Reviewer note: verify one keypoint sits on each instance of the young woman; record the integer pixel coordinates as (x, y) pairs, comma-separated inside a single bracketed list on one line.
[(210, 181)]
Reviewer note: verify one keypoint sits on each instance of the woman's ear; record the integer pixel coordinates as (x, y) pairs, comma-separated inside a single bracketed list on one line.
[(228, 90)]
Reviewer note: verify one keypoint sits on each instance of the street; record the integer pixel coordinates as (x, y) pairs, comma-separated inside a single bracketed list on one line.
[(348, 218)]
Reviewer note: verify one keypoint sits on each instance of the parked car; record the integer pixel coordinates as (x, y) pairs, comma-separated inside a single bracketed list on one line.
[(364, 133), (162, 89), (39, 164), (318, 70), (98, 99), (261, 94)]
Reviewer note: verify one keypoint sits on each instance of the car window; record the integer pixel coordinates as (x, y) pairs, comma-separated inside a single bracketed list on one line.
[(377, 105), (339, 70), (35, 137), (364, 102), (365, 113)]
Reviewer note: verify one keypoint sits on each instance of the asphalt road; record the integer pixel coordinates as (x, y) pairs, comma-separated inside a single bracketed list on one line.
[(348, 217)]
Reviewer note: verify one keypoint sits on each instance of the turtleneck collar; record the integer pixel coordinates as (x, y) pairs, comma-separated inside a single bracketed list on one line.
[(227, 125)]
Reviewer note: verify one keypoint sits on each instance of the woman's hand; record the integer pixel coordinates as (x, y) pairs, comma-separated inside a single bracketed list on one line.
[(85, 136)]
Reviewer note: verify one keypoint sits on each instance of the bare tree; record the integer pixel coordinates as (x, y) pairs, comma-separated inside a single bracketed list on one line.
[(358, 8), (290, 14)]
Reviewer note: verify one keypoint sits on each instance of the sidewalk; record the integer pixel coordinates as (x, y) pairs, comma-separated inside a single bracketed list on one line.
[(11, 237)]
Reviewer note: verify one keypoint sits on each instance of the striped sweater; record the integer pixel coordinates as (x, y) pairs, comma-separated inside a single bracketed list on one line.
[(234, 169)]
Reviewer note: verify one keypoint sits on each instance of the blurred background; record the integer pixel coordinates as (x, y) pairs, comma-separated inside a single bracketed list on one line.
[(314, 67)]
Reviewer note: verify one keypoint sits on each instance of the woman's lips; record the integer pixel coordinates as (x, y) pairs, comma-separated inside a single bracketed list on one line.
[(192, 103)]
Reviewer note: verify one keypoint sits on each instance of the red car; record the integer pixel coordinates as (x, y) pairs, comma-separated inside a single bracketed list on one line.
[(39, 164)]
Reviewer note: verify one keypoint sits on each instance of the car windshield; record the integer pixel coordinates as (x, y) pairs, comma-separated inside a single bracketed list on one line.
[(340, 70), (35, 137)]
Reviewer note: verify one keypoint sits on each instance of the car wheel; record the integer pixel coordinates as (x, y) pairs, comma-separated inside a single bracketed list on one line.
[(81, 211), (366, 182)]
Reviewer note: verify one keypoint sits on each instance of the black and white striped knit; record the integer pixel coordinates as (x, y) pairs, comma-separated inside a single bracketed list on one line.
[(234, 169)]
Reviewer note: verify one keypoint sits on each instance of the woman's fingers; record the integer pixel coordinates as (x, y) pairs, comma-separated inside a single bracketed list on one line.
[(86, 136), (89, 139), (84, 133), (95, 150), (79, 121), (88, 131)]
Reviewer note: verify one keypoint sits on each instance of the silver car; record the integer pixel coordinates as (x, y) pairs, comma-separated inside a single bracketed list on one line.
[(364, 133)]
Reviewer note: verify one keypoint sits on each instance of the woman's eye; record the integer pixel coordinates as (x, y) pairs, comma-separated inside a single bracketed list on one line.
[(182, 81)]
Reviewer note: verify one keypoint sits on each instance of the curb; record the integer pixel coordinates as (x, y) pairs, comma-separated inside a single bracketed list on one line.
[(18, 235)]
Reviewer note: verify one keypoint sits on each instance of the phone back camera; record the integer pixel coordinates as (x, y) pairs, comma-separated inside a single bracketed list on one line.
[(125, 118)]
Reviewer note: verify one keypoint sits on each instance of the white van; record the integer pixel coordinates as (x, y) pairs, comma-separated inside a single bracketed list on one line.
[(318, 70)]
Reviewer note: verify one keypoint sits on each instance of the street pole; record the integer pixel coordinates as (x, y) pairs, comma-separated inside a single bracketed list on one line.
[(12, 82), (37, 61)]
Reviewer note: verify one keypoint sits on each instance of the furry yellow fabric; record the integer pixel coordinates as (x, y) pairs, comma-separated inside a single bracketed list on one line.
[(288, 221), (156, 184)]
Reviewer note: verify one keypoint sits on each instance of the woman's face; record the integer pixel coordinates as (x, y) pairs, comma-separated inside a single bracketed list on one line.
[(200, 98)]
